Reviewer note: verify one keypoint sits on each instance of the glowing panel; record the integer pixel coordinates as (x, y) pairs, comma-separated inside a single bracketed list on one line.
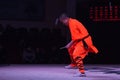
[(104, 13)]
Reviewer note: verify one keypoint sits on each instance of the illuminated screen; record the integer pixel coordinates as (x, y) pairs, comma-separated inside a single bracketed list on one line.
[(104, 13), (98, 10)]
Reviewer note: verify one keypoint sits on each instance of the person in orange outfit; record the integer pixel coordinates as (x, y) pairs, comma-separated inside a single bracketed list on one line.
[(80, 44)]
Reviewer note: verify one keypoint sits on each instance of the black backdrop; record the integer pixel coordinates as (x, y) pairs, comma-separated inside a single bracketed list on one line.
[(45, 43), (105, 34)]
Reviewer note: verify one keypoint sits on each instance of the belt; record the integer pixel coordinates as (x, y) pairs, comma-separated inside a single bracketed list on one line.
[(84, 43), (83, 38)]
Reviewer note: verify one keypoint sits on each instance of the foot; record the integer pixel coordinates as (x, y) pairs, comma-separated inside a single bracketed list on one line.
[(80, 75), (70, 67)]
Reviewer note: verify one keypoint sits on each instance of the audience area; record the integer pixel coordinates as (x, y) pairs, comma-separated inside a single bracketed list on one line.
[(32, 45)]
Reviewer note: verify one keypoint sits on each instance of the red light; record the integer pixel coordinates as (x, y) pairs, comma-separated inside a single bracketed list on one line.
[(104, 13)]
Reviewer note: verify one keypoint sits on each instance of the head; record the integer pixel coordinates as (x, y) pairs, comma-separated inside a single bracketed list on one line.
[(64, 19)]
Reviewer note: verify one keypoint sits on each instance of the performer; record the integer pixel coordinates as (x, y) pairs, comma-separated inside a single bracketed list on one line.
[(80, 44)]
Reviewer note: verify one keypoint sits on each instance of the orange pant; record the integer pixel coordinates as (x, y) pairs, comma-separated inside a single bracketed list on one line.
[(77, 53)]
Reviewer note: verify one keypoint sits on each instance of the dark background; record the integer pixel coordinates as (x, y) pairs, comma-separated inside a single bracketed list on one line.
[(105, 33), (33, 38)]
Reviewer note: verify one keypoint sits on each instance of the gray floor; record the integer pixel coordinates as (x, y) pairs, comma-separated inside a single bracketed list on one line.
[(58, 72)]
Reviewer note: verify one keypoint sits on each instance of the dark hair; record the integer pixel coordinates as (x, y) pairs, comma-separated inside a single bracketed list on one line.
[(63, 16)]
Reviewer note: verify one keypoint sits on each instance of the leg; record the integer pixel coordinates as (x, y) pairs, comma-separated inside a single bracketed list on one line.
[(80, 65), (79, 62), (78, 56), (73, 64), (70, 50)]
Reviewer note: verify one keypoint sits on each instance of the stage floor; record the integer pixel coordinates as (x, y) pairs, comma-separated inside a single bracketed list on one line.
[(58, 72)]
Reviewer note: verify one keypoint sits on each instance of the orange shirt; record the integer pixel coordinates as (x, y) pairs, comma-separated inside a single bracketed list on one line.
[(78, 31)]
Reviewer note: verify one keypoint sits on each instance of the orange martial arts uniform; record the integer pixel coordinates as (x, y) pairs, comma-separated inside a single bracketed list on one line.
[(82, 44)]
